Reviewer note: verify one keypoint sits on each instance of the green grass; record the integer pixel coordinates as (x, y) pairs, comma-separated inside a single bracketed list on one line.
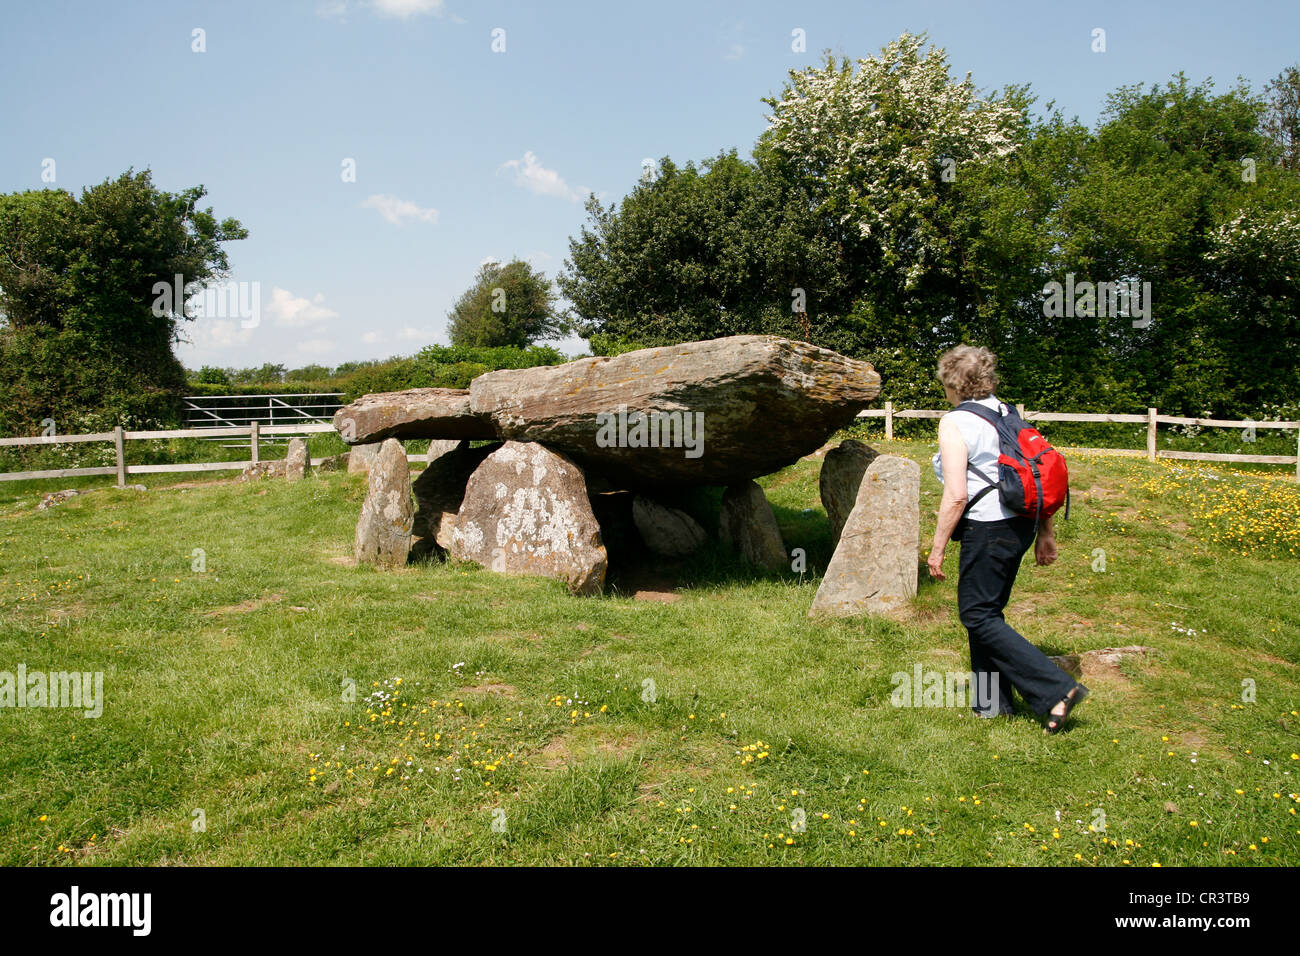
[(226, 689)]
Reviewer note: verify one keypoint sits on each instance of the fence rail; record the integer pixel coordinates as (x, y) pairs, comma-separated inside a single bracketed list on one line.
[(256, 432), (1152, 419)]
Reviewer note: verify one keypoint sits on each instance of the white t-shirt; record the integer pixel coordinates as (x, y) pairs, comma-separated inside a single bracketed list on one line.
[(981, 451)]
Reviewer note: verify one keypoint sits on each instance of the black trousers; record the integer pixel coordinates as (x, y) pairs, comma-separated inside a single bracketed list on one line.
[(991, 552)]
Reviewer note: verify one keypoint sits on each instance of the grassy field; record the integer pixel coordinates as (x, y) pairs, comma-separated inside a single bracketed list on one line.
[(498, 720)]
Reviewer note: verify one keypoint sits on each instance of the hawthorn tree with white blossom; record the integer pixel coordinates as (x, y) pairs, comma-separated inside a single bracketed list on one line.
[(875, 148), (880, 152)]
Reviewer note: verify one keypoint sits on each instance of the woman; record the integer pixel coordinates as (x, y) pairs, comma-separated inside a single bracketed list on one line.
[(993, 541)]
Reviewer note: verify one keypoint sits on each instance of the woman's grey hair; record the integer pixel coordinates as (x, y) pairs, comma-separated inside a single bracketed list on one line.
[(969, 371)]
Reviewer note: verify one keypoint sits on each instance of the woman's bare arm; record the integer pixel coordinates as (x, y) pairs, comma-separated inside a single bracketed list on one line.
[(952, 453)]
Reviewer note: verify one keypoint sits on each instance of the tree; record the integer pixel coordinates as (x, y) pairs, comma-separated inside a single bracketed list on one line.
[(270, 373), (698, 252), (841, 229), (508, 304), (308, 373), (876, 148), (211, 375), (907, 213), (77, 284), (1282, 120)]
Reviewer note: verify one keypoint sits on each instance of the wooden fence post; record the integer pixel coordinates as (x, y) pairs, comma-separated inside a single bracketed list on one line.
[(1297, 454), (1151, 434), (121, 457), (253, 442), (889, 421), (1020, 409)]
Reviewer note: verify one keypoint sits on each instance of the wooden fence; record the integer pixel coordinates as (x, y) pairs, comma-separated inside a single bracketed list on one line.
[(1151, 419), (118, 436), (255, 432)]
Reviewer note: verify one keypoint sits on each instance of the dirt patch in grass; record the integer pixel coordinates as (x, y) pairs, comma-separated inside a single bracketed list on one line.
[(508, 637), (555, 754), (647, 584), (184, 485), (695, 762), (58, 615), (498, 690), (925, 615), (659, 597), (577, 746), (243, 607)]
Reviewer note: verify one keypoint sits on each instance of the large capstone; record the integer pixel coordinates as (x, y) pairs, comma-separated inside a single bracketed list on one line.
[(874, 567), (718, 412), (413, 413), (526, 511), (383, 535)]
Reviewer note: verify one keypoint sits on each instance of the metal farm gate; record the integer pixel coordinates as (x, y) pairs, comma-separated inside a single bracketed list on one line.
[(226, 411)]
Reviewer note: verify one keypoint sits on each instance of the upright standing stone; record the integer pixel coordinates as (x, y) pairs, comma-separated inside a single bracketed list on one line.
[(296, 460), (384, 531), (840, 478), (361, 457), (526, 511), (666, 531), (748, 525), (440, 489), (874, 568)]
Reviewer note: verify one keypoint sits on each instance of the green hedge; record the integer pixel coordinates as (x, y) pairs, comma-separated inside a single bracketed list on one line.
[(443, 366), (275, 388)]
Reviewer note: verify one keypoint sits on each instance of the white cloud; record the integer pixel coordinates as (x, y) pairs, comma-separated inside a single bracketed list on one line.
[(399, 9), (413, 334), (289, 309), (370, 338), (316, 346), (219, 334), (403, 9), (733, 39), (397, 210), (332, 10), (488, 259), (535, 177)]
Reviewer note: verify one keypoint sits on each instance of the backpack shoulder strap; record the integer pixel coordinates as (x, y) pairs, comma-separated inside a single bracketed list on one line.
[(978, 495), (990, 416)]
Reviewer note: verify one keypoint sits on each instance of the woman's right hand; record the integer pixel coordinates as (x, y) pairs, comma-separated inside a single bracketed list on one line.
[(1045, 548)]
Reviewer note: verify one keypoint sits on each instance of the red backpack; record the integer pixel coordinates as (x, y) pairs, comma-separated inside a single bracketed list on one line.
[(1032, 478)]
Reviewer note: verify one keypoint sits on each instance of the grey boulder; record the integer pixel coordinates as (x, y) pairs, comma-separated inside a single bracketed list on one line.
[(526, 511)]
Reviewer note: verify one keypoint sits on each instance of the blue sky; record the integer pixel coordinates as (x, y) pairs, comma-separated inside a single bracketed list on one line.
[(463, 153)]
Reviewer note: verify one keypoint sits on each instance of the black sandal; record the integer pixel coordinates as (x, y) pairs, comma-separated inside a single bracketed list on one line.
[(1056, 721)]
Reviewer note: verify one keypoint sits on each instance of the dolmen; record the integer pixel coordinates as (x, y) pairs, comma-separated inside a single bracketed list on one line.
[(525, 464)]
